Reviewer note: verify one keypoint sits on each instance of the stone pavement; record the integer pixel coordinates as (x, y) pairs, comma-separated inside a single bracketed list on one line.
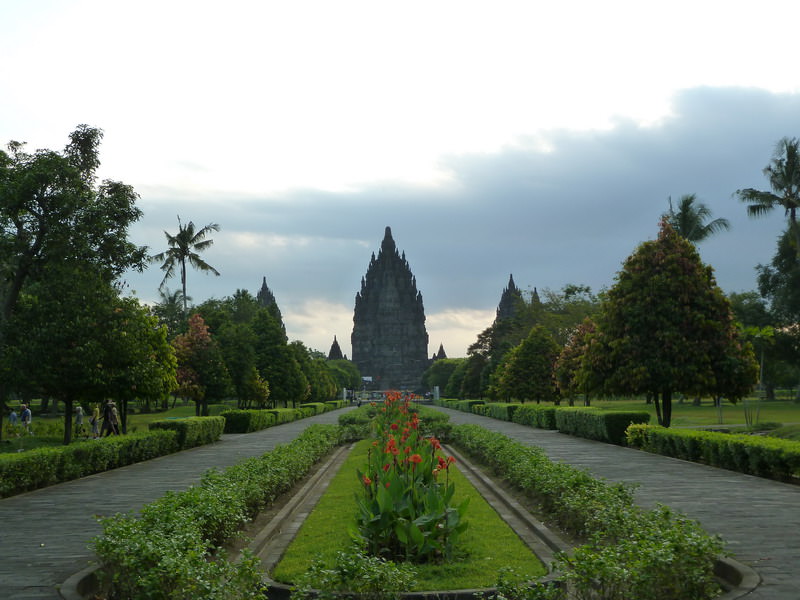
[(759, 519), (44, 533)]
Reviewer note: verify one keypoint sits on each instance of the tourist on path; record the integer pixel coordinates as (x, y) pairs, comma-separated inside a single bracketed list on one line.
[(95, 422), (110, 422), (79, 431), (26, 417)]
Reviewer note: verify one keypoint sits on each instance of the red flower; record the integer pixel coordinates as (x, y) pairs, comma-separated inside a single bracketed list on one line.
[(367, 480), (435, 443), (393, 427), (415, 458), (386, 467), (407, 449)]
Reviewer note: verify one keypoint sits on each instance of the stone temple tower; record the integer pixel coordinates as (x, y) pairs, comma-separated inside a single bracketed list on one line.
[(389, 340)]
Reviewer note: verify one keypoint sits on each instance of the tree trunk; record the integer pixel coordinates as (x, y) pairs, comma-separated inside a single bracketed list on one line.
[(123, 415), (654, 399), (197, 404), (770, 391), (696, 401), (666, 402)]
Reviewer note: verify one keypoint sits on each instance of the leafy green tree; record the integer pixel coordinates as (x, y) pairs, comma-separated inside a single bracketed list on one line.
[(277, 363), (184, 247), (202, 374), (237, 342), (438, 374), (53, 212), (169, 311), (527, 372), (783, 174), (473, 384), (691, 219), (75, 339), (569, 363), (345, 373), (666, 327)]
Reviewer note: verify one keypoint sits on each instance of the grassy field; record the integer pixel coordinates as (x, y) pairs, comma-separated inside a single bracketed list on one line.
[(48, 431), (707, 415), (488, 543)]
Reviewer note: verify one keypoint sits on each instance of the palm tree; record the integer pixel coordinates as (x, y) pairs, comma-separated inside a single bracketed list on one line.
[(689, 220), (783, 174), (184, 247)]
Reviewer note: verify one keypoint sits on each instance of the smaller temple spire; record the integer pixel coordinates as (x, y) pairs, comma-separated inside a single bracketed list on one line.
[(335, 351)]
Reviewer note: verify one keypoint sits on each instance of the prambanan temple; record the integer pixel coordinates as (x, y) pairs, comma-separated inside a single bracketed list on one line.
[(389, 340)]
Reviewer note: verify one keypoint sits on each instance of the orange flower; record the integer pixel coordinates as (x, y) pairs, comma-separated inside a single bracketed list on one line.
[(415, 458)]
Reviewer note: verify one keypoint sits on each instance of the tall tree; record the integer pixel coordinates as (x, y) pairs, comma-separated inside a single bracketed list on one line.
[(666, 327), (691, 219), (202, 374), (783, 174), (53, 212), (527, 371), (184, 247)]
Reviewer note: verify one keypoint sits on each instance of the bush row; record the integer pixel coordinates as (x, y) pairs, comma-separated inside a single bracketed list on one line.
[(762, 456), (167, 551), (633, 553), (247, 421), (194, 431), (588, 422), (40, 467)]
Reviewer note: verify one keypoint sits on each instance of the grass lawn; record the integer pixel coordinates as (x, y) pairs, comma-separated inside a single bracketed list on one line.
[(48, 431), (706, 415), (488, 543)]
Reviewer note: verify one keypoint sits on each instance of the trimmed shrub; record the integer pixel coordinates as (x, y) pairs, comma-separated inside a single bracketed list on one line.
[(317, 407), (501, 410), (633, 553), (286, 415), (598, 424), (773, 458), (246, 421), (38, 468), (536, 415), (167, 551), (194, 431)]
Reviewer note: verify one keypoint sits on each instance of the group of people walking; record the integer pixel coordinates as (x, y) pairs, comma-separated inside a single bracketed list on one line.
[(109, 418)]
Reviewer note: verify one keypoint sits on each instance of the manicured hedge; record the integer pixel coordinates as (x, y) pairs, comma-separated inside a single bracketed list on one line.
[(287, 415), (166, 552), (536, 415), (38, 468), (633, 553), (501, 410), (194, 431), (762, 456), (247, 421), (317, 407), (596, 424)]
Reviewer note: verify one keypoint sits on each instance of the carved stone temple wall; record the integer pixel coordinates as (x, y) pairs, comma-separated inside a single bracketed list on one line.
[(389, 340)]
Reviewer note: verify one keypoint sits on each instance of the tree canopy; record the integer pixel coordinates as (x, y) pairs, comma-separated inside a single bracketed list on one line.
[(666, 327)]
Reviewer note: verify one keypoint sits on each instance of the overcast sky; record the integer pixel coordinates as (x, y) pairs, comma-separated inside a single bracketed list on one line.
[(539, 139)]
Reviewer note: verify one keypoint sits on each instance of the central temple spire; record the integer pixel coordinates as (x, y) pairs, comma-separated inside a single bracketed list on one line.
[(389, 340)]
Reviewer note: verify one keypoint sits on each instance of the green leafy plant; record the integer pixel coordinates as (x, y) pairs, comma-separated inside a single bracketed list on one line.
[(405, 510), (355, 573)]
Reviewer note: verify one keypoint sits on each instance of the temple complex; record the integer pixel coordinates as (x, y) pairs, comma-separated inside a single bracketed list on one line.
[(389, 340)]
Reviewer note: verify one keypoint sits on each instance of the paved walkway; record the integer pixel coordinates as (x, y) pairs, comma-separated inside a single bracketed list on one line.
[(758, 519), (44, 534)]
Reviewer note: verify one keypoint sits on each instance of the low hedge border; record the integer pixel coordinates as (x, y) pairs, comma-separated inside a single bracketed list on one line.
[(167, 551), (589, 422), (596, 424), (632, 553), (194, 431), (38, 468), (247, 421), (762, 456)]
